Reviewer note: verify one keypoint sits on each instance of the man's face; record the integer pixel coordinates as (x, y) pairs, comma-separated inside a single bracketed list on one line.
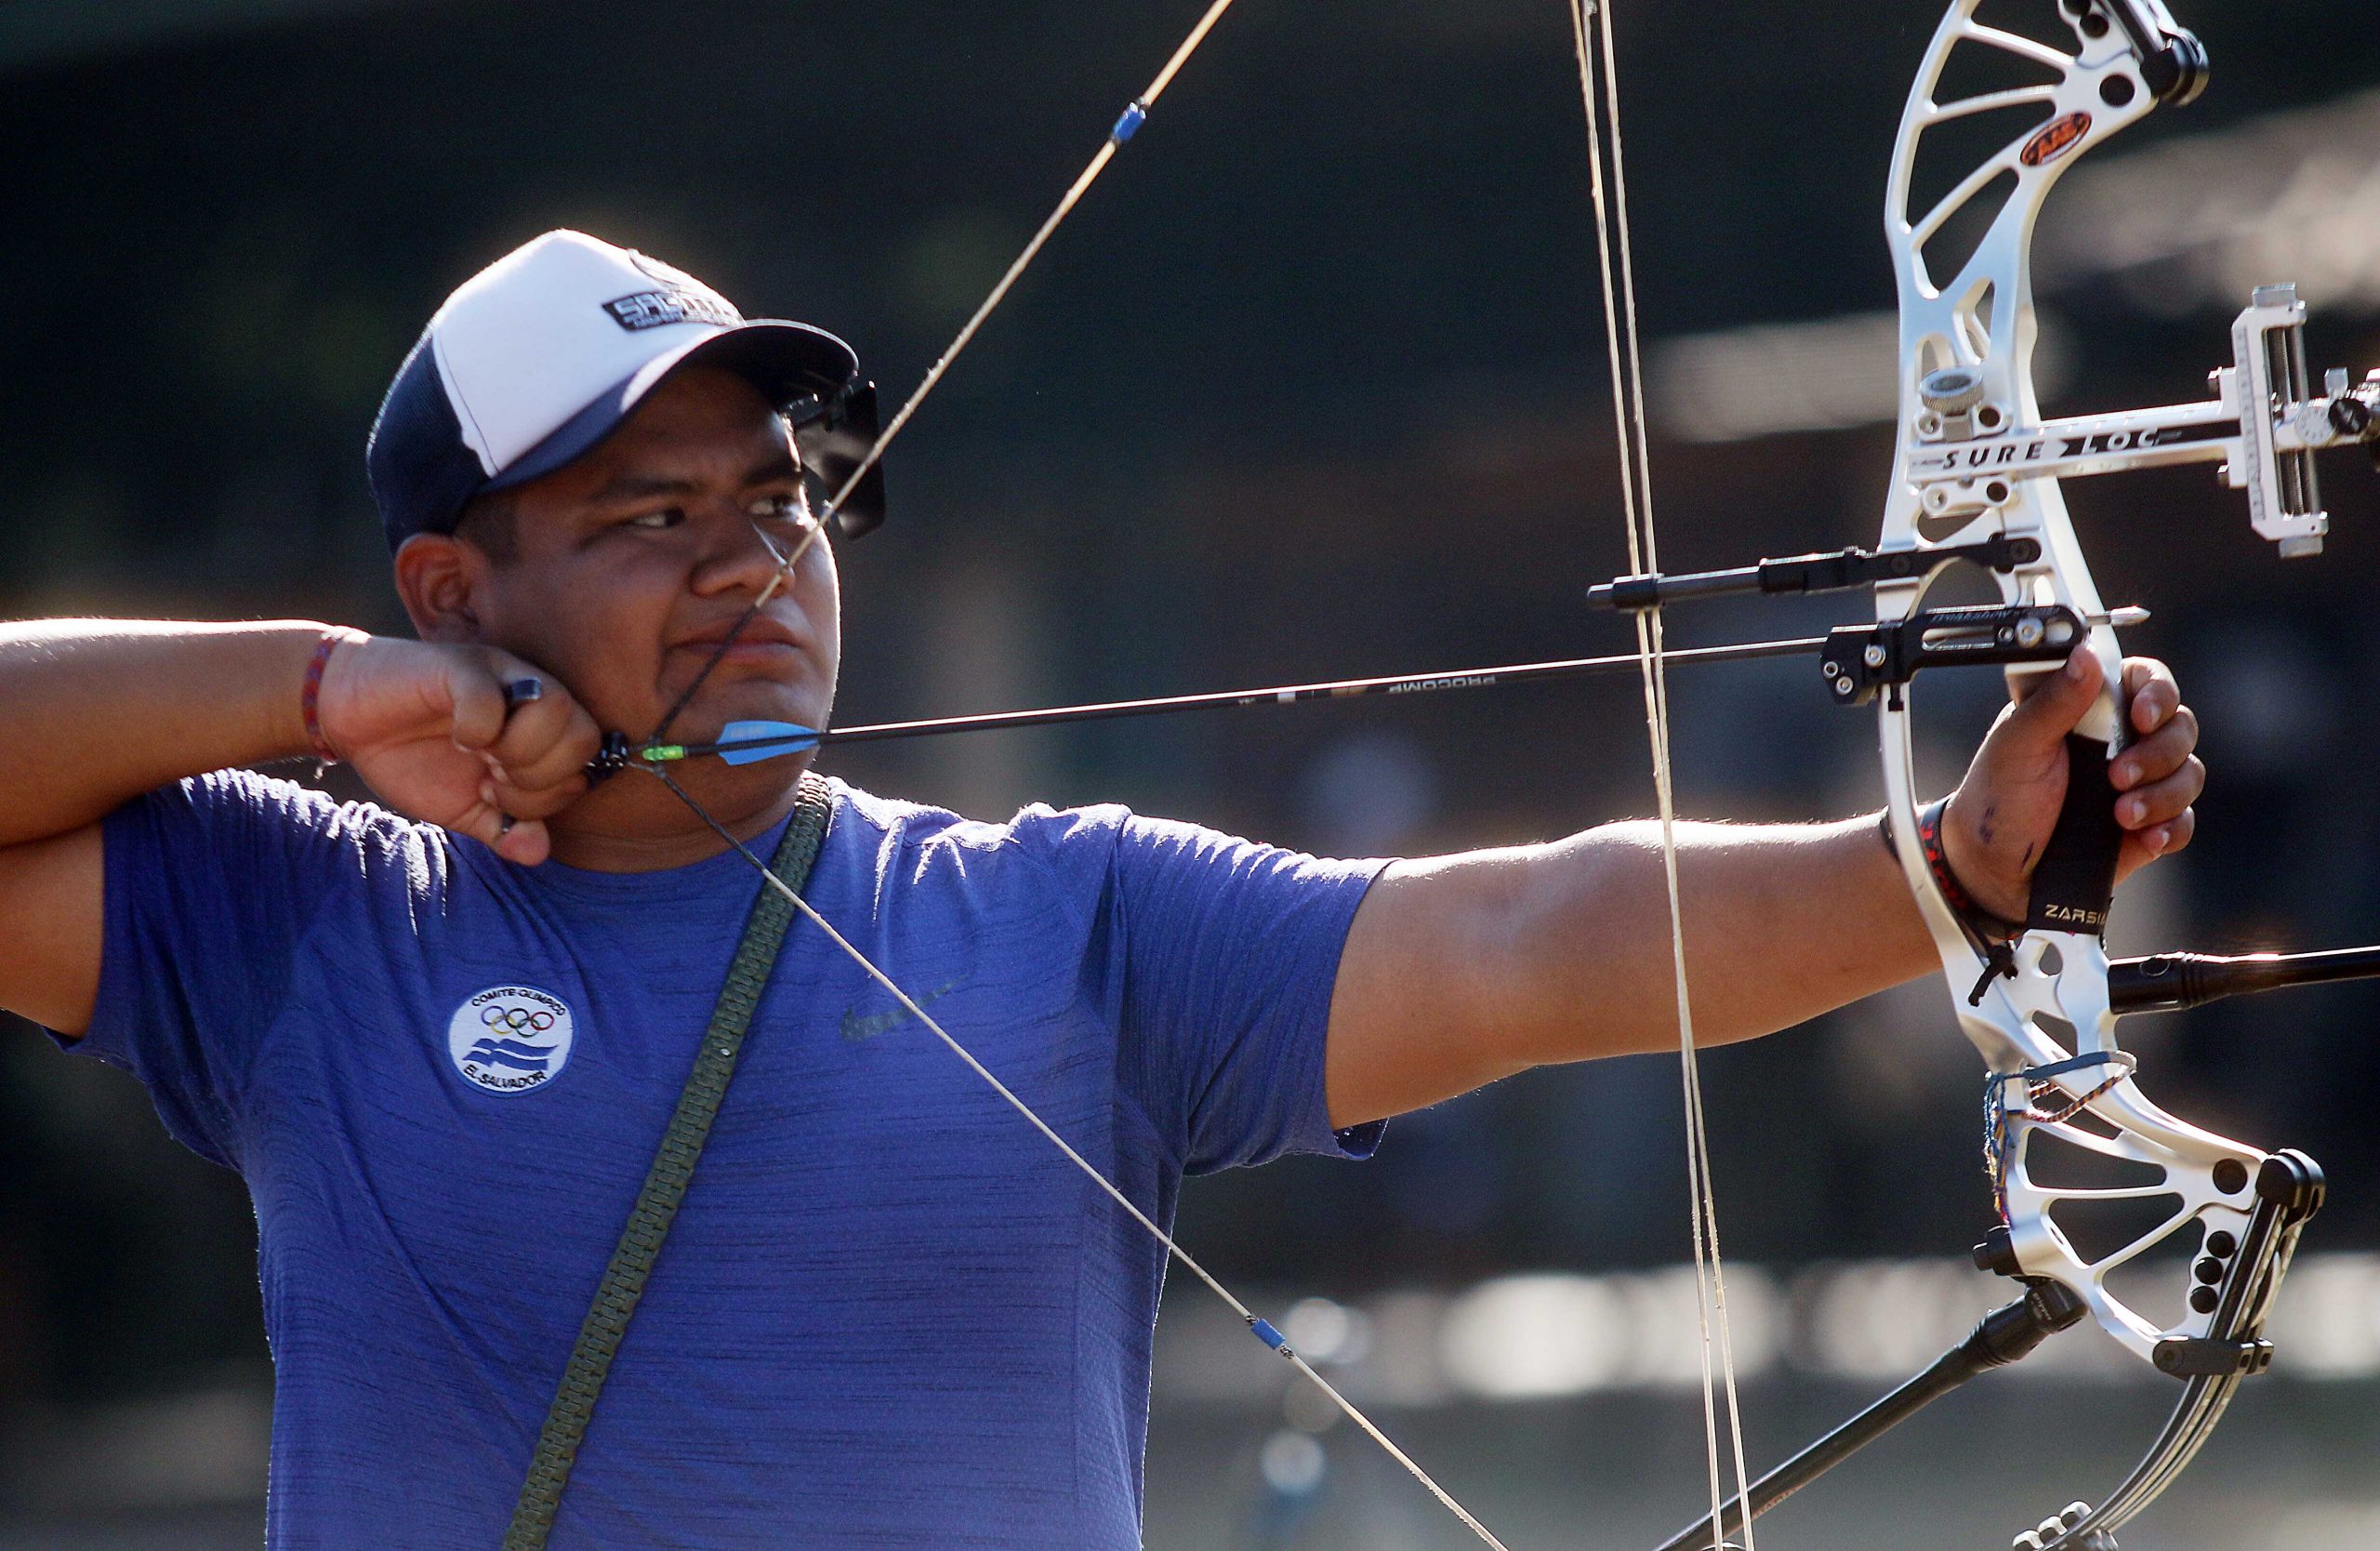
[(630, 564)]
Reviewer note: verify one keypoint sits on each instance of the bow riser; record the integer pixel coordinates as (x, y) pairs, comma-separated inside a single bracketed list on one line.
[(1976, 461), (1967, 347), (2186, 1159), (2060, 984), (1976, 482)]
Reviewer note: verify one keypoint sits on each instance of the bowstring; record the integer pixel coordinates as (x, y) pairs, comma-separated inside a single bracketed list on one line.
[(1125, 127), (1591, 38), (1258, 1326)]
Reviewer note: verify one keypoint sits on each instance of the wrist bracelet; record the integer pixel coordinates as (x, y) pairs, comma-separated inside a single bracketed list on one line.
[(310, 697), (1977, 919), (1974, 917)]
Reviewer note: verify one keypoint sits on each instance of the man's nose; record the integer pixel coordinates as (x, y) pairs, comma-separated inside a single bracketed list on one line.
[(737, 552)]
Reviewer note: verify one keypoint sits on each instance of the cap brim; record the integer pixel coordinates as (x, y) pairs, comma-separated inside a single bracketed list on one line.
[(788, 362)]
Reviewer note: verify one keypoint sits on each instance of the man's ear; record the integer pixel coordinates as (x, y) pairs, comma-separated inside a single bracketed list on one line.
[(442, 582)]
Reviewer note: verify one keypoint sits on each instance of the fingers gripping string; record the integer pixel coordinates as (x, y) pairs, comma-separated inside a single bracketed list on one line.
[(1607, 185), (1262, 1329)]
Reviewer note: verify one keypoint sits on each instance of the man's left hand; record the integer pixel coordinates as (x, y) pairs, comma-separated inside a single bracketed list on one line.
[(2001, 818)]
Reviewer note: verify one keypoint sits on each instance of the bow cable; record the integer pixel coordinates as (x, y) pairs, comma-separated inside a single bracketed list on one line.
[(1591, 36)]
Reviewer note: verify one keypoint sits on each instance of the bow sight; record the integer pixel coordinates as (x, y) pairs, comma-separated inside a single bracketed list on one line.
[(2264, 426)]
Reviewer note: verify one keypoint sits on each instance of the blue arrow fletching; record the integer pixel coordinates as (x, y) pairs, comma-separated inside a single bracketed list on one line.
[(755, 741)]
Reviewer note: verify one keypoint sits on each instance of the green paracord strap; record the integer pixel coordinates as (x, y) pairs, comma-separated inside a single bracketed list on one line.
[(666, 1182)]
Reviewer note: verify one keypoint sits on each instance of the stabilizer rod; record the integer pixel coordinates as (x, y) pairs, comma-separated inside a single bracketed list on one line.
[(1999, 1338), (2169, 982)]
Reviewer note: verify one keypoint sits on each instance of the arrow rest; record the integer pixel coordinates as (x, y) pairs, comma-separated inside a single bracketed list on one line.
[(1859, 659)]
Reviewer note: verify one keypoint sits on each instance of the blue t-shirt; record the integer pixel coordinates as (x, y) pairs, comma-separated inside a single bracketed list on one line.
[(889, 1312)]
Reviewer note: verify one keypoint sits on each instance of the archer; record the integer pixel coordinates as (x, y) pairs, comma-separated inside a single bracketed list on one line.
[(441, 1036)]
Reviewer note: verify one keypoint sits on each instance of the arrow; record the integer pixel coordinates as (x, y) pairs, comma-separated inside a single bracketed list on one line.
[(749, 742)]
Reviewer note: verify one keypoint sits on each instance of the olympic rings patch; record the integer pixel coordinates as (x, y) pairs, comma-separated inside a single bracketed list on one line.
[(513, 1020), (509, 1039)]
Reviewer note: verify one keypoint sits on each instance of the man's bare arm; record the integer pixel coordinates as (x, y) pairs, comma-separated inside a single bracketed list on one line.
[(94, 712), (1461, 970)]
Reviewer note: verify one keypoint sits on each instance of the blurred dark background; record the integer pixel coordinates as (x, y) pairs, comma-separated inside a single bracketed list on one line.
[(1312, 385)]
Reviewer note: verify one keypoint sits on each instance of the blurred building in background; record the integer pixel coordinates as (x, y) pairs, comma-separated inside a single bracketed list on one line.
[(1312, 386)]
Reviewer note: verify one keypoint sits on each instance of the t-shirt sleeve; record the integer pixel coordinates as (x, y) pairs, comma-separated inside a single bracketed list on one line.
[(1229, 953), (209, 884)]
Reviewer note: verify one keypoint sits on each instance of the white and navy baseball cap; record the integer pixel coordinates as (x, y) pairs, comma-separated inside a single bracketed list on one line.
[(541, 355)]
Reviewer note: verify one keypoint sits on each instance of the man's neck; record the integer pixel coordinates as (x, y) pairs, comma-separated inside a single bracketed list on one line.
[(632, 823)]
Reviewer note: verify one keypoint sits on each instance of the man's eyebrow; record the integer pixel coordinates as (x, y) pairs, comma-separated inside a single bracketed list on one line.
[(775, 466)]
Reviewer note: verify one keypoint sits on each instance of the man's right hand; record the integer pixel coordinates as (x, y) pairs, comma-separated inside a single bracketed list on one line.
[(94, 712), (428, 728)]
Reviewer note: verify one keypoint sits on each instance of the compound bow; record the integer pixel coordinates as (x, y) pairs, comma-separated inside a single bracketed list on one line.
[(1975, 483)]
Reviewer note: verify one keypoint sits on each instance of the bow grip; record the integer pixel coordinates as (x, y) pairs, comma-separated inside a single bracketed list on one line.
[(2076, 878)]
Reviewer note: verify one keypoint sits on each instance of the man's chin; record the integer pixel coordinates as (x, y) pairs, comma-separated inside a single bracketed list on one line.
[(746, 699)]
